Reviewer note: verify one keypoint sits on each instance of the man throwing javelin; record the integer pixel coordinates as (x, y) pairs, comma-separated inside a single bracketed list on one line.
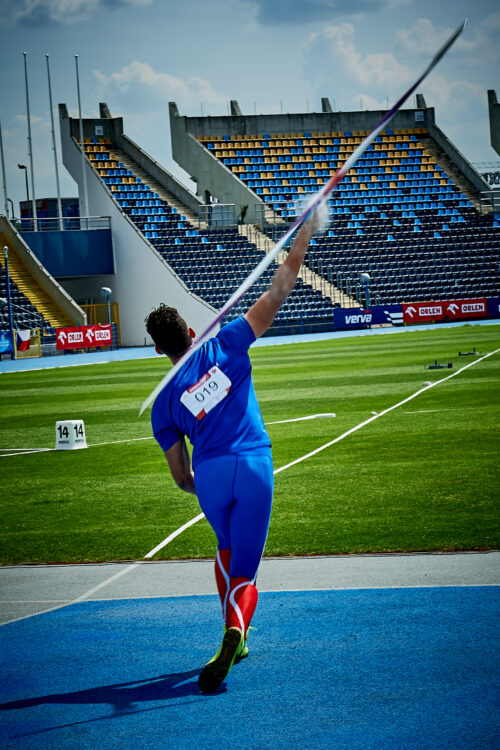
[(212, 401)]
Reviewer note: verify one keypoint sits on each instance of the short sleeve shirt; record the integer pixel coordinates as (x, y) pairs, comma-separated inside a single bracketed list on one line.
[(212, 399)]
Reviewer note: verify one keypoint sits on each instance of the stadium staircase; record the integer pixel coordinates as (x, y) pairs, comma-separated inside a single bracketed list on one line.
[(402, 214), (39, 301), (308, 276)]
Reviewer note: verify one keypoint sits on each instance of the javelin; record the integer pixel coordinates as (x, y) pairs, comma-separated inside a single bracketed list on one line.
[(312, 205)]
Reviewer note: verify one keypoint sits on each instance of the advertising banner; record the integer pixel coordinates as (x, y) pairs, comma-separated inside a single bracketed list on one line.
[(493, 307), (83, 337), (429, 312), (6, 345), (359, 317)]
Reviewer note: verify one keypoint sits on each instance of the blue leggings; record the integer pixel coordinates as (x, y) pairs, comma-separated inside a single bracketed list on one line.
[(235, 493)]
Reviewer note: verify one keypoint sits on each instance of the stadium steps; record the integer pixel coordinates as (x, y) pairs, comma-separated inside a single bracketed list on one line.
[(308, 276), (451, 170), (164, 194), (24, 281)]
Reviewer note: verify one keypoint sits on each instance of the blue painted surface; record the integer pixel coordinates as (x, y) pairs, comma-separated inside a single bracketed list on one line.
[(360, 670), (85, 252)]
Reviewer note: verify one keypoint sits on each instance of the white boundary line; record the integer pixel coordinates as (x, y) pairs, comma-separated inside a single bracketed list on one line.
[(173, 535), (303, 419), (24, 451), (197, 518), (382, 413), (8, 452)]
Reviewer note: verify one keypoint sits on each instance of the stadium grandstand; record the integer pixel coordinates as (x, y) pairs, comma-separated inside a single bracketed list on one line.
[(413, 221), (37, 301)]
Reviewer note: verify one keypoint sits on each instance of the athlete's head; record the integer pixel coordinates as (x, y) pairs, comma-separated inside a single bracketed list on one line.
[(169, 330)]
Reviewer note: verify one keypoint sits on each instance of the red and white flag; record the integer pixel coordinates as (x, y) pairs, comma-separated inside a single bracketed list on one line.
[(23, 340)]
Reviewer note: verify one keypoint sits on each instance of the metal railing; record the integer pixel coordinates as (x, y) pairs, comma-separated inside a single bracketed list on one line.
[(489, 201), (65, 223), (217, 215)]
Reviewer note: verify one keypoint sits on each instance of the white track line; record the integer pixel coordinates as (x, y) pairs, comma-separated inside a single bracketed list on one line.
[(173, 535), (197, 518), (8, 452), (24, 451), (302, 419), (381, 414)]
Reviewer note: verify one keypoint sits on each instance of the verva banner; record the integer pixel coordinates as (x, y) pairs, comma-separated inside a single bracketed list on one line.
[(427, 312), (83, 337)]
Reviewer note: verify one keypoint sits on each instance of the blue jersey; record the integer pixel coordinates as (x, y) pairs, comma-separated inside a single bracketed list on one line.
[(212, 399)]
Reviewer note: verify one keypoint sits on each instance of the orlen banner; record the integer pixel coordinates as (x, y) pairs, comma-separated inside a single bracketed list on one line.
[(427, 312), (83, 337)]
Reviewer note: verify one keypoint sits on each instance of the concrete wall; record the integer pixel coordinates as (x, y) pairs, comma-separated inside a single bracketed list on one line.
[(142, 277), (156, 171), (292, 123), (458, 160), (494, 110), (210, 175)]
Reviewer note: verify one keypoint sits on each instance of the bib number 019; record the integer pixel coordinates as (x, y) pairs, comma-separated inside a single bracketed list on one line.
[(210, 390)]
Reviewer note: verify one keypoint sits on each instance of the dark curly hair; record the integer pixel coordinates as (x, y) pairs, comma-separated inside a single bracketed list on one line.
[(168, 330)]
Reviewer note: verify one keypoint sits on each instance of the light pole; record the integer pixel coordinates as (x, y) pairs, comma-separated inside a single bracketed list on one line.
[(106, 292), (23, 166)]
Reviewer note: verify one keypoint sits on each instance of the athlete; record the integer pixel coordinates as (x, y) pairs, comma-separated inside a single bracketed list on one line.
[(212, 401)]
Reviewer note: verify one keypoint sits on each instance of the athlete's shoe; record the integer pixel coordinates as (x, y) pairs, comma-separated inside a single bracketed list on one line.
[(218, 668), (244, 651)]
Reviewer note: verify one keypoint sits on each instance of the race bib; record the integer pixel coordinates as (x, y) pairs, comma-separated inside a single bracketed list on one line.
[(201, 397)]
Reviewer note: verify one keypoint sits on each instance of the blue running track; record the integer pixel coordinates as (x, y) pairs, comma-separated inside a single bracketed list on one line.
[(366, 669)]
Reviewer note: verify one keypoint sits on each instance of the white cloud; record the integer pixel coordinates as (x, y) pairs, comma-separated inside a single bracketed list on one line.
[(484, 40), (453, 99), (424, 39), (373, 69), (139, 79), (478, 42), (46, 12)]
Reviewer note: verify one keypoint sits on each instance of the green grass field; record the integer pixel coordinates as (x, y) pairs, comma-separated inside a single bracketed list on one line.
[(423, 477)]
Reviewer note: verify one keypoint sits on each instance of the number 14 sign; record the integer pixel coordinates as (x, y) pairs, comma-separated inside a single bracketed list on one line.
[(70, 435)]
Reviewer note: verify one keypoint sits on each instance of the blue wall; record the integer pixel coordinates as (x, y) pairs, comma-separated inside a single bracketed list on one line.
[(79, 253)]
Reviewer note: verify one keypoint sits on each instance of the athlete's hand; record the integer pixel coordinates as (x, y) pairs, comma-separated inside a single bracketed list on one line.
[(319, 219)]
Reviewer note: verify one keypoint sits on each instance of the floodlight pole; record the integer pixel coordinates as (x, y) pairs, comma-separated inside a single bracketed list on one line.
[(59, 204), (30, 149), (84, 166), (6, 204)]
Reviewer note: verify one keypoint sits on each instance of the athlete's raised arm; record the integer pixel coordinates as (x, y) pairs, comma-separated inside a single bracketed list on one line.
[(262, 313)]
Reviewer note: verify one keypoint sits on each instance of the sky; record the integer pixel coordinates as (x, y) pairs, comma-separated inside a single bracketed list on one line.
[(271, 56)]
